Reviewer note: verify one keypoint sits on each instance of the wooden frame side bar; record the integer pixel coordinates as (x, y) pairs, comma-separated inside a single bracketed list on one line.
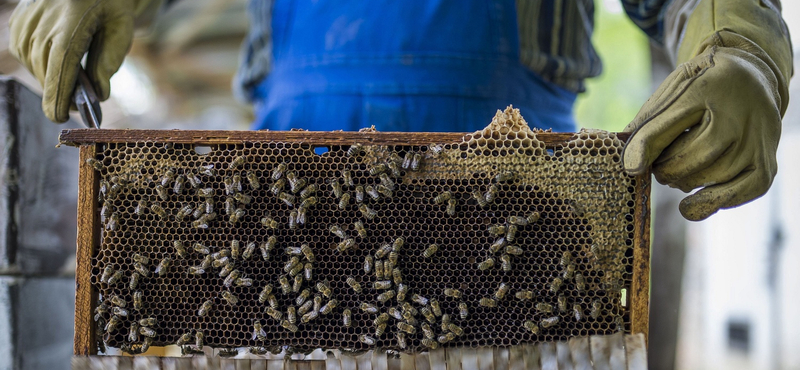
[(88, 239), (640, 289), (209, 137)]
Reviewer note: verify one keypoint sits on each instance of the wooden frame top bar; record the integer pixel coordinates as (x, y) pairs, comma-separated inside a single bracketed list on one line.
[(216, 137)]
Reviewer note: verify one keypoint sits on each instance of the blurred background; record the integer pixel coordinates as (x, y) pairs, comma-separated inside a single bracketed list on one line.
[(725, 292)]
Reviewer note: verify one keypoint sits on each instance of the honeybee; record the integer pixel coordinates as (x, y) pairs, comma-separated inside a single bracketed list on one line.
[(96, 164), (155, 208), (498, 245), (597, 309), (369, 264), (514, 250), (328, 307), (305, 307), (366, 339), (531, 326), (230, 206), (443, 197), (562, 303), (269, 222), (620, 325), (162, 267), (569, 271), (505, 176), (378, 169), (291, 263), (205, 308), (409, 311), (227, 269), (386, 296), (386, 181), (150, 321), (207, 170), (134, 280), (222, 261), (577, 310), (111, 325), (511, 233), (287, 198), (205, 192), (199, 211), (258, 331), (505, 262), (394, 167), (311, 315), (436, 149), (455, 329), (178, 187), (383, 190), (293, 215), (295, 183), (117, 301), (242, 198), (402, 290), (291, 314), (140, 207), (289, 326), (237, 162), (336, 188), (420, 300), (303, 297), (359, 226), (140, 269), (401, 340), (388, 266), (354, 284), (184, 339), (533, 217), (268, 246), (566, 258), (430, 343), (517, 220), (183, 212), (119, 311), (355, 150), (308, 191), (193, 180), (452, 293), (580, 282), (427, 331), (323, 288), (338, 231), (115, 278), (524, 295), (549, 322), (230, 298), (346, 244), (409, 157), (105, 212), (235, 249), (451, 207), (252, 179), (556, 284), (273, 313), (248, 251), (298, 283), (544, 307), (198, 336), (228, 352), (113, 222), (107, 272), (347, 318), (348, 177), (397, 275), (278, 171), (426, 312), (277, 186), (488, 302), (406, 328), (231, 278), (162, 192), (416, 161), (486, 264), (368, 308), (502, 289), (482, 202), (372, 192), (265, 292), (344, 201), (359, 194)]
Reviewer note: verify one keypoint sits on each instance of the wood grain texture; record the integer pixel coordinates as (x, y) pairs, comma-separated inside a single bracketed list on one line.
[(88, 239), (640, 289), (198, 137)]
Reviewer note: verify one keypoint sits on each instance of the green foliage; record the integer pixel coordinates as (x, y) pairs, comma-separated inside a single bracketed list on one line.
[(613, 99)]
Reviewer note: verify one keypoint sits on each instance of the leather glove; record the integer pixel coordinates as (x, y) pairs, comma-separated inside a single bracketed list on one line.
[(50, 38), (715, 122)]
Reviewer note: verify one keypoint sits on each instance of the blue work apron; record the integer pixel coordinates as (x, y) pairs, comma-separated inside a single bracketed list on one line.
[(401, 65)]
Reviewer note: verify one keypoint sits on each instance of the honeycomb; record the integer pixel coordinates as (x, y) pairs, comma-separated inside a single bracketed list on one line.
[(496, 240)]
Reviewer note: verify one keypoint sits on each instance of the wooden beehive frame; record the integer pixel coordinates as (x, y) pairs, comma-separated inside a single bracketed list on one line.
[(89, 227)]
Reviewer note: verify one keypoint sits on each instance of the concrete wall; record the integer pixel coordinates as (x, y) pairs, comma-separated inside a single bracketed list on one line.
[(38, 202)]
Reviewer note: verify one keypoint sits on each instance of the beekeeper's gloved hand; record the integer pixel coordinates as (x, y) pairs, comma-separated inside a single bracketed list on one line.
[(51, 36), (715, 122)]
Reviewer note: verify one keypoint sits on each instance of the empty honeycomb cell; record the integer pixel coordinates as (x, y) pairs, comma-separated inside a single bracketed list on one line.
[(578, 210)]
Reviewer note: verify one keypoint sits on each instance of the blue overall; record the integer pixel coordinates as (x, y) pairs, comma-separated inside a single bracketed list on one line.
[(401, 65)]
